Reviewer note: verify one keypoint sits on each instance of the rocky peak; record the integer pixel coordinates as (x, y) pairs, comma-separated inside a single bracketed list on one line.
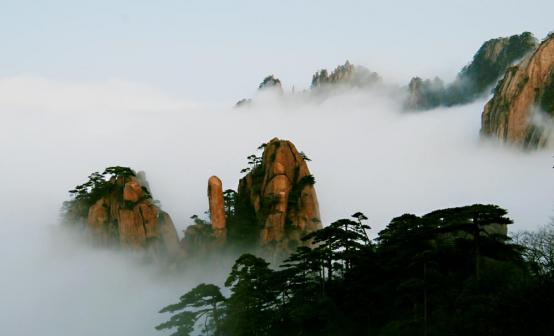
[(523, 99), (117, 209), (278, 192), (272, 83), (268, 84), (347, 74)]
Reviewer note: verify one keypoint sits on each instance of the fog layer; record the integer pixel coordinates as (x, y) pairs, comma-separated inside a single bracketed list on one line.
[(366, 156)]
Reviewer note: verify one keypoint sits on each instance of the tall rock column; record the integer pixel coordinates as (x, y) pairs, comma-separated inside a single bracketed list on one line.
[(217, 208), (279, 192)]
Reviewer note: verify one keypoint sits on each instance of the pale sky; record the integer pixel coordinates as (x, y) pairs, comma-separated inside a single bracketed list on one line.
[(151, 85), (215, 51)]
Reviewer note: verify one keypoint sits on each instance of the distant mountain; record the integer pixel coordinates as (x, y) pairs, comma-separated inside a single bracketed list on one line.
[(474, 80), (347, 75), (343, 76)]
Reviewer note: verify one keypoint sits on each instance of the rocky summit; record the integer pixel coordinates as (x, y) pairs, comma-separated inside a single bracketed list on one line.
[(117, 209), (347, 74), (523, 101), (278, 193), (274, 207)]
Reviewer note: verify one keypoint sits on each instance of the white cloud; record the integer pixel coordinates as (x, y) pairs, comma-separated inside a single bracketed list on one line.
[(367, 156)]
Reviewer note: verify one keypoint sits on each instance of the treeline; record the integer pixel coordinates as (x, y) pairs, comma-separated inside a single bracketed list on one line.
[(450, 272)]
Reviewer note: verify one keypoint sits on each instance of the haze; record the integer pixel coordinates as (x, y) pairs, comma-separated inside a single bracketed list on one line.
[(152, 88)]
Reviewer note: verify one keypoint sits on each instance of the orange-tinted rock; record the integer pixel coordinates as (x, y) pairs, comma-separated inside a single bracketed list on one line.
[(217, 208), (131, 230), (169, 236), (128, 215), (281, 194), (97, 221), (148, 214), (522, 99), (132, 191)]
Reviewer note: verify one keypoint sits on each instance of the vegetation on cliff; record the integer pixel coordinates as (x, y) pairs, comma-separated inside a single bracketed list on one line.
[(98, 185), (117, 209), (476, 79)]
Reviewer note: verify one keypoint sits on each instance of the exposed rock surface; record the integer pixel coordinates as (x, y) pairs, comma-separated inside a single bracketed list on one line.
[(523, 99), (217, 208), (122, 212), (275, 206), (474, 80), (279, 192)]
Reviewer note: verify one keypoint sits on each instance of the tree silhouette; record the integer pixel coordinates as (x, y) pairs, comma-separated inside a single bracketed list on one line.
[(202, 302), (253, 300)]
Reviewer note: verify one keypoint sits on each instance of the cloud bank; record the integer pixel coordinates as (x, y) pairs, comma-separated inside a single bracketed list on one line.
[(366, 156)]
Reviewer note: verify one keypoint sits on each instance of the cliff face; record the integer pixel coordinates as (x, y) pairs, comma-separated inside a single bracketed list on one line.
[(120, 211), (279, 195), (522, 99), (474, 80)]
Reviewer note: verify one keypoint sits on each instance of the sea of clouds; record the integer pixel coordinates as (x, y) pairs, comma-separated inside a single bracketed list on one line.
[(367, 155)]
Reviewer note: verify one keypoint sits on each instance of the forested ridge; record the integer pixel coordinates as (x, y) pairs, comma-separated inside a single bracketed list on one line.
[(450, 272)]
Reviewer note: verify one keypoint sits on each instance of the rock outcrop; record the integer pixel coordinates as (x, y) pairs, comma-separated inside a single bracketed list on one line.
[(278, 192), (424, 94), (347, 75), (271, 83), (121, 212), (523, 100), (274, 207), (474, 80), (217, 209)]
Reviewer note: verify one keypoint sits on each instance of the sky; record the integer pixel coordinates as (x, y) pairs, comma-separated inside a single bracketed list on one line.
[(151, 85), (218, 51)]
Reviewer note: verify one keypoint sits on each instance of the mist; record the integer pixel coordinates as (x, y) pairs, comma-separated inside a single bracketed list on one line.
[(366, 155)]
